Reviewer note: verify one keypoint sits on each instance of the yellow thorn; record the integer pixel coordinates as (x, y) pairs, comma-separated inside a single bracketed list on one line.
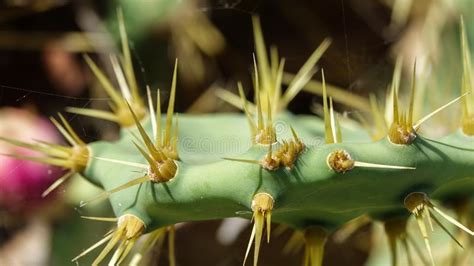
[(396, 119), (338, 131), (305, 74), (93, 113), (468, 110), (128, 65), (417, 249), (169, 114), (158, 138), (63, 131), (137, 165), (153, 118), (71, 131), (57, 183), (445, 229), (98, 244), (428, 116), (295, 243), (262, 206), (171, 240), (106, 194), (104, 81), (258, 101), (253, 127), (395, 86), (453, 221), (269, 124), (158, 235), (101, 219), (379, 119), (349, 228), (382, 166), (150, 160), (155, 154), (118, 253), (277, 91), (315, 239), (45, 160), (261, 51), (340, 95), (274, 58), (122, 82), (412, 97), (243, 160), (424, 233), (175, 136), (229, 98), (327, 120), (52, 151), (333, 121)]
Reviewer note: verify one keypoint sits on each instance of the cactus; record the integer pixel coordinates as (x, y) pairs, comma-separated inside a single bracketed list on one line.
[(312, 175)]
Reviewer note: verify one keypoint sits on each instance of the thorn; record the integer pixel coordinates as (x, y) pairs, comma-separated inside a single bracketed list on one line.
[(396, 119), (171, 243), (64, 132), (382, 166), (261, 52), (262, 206), (246, 111), (169, 114), (153, 118), (424, 119), (122, 82), (137, 165), (106, 194), (293, 132), (156, 236), (98, 244), (175, 137), (294, 244), (45, 160), (93, 113), (57, 183), (277, 98), (243, 160), (424, 233), (146, 139), (129, 229), (101, 219), (467, 70), (453, 221), (127, 58), (412, 97), (260, 125), (315, 239), (333, 121), (158, 140), (445, 229), (327, 120), (419, 204), (150, 160), (49, 150), (380, 122), (71, 131), (104, 81), (305, 74), (269, 124)]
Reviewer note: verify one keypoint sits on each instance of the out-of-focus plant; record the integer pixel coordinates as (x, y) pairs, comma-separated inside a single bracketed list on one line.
[(22, 183)]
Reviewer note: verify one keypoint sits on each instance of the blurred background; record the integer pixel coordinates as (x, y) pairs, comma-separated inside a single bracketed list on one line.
[(43, 71)]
